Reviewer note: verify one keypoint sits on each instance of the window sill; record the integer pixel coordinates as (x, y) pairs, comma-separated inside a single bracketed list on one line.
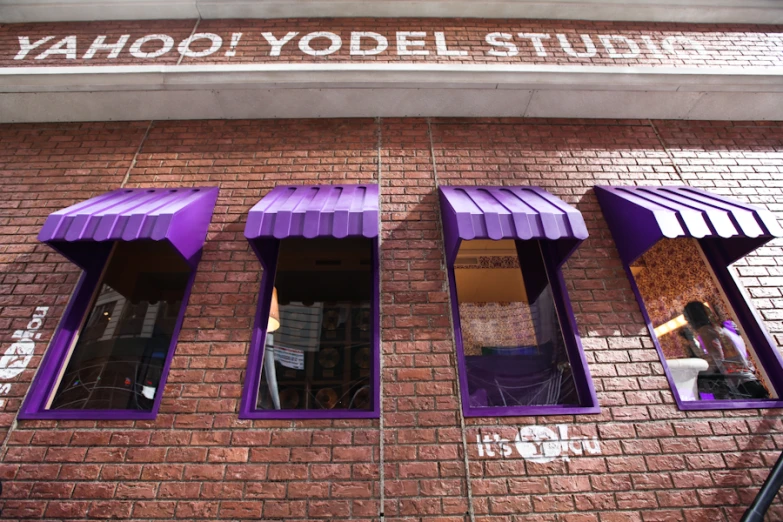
[(729, 404), (107, 415), (308, 414), (530, 411)]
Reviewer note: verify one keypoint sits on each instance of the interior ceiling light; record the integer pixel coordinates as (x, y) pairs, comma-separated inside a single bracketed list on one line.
[(672, 325), (274, 314)]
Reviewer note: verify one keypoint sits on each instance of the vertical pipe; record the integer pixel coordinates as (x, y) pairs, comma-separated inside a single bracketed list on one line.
[(766, 495)]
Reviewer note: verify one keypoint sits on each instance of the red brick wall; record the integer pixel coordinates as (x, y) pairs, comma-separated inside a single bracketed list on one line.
[(723, 45), (198, 460)]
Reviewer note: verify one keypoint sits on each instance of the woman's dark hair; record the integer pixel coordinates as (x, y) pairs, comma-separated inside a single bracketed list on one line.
[(696, 314)]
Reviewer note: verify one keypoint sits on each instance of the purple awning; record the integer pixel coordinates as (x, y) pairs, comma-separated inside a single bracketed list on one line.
[(315, 211), (180, 216), (640, 216), (509, 213)]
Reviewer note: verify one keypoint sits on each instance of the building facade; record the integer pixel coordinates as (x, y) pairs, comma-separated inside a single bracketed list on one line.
[(389, 386)]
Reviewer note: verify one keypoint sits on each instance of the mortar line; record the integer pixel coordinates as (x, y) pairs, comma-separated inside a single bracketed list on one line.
[(471, 513), (381, 447), (136, 154), (666, 150)]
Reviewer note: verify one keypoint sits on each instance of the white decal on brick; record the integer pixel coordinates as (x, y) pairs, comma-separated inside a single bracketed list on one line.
[(496, 40), (334, 45), (539, 444), (683, 42), (404, 42), (25, 46), (17, 356), (232, 48), (654, 49), (66, 46), (277, 45), (590, 50), (408, 43), (184, 46), (381, 43), (536, 40), (443, 48), (100, 45), (167, 43), (609, 40)]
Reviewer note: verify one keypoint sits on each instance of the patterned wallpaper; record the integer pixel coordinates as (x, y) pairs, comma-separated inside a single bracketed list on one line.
[(495, 324), (674, 274)]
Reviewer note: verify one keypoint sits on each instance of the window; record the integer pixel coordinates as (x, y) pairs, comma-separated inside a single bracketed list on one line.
[(707, 353), (320, 354), (518, 349), (676, 244), (315, 350), (110, 355), (116, 361), (514, 356)]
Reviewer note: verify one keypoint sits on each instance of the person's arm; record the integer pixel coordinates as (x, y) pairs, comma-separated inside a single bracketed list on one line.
[(716, 347), (711, 343)]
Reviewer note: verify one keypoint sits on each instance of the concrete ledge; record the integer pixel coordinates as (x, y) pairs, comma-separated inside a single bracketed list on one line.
[(692, 11), (366, 90), (384, 75)]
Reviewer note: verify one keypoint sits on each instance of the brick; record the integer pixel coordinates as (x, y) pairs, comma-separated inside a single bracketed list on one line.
[(193, 509), (110, 509), (419, 470), (149, 509), (198, 460), (69, 509), (509, 504), (266, 490)]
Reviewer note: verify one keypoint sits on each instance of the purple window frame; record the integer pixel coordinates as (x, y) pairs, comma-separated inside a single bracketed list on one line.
[(719, 254), (267, 248), (750, 323), (555, 248), (567, 321), (42, 386)]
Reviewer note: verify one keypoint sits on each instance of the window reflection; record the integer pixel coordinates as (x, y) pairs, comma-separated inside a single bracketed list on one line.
[(706, 352), (514, 350), (320, 356), (118, 358)]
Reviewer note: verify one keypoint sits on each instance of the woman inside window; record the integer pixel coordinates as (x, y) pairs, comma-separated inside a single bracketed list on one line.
[(730, 374)]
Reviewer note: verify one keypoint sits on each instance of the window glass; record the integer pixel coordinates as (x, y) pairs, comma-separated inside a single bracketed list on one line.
[(320, 356), (116, 361), (708, 355), (514, 350)]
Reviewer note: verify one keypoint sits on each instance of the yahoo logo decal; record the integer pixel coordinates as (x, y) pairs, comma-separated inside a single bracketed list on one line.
[(361, 44), (17, 356), (539, 444)]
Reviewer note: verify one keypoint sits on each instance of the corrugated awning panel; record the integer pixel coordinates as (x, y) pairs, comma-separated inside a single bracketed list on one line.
[(640, 216), (180, 216), (518, 213), (315, 211)]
